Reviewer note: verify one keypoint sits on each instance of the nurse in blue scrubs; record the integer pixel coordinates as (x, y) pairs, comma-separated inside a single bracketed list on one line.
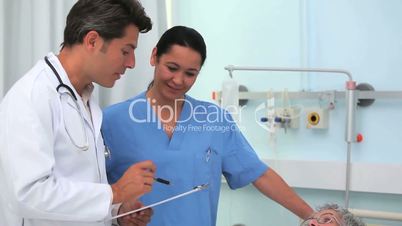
[(191, 142)]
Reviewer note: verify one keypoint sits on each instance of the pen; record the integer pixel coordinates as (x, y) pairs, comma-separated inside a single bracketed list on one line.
[(162, 181)]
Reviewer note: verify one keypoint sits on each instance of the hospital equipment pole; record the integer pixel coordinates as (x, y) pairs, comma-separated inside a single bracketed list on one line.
[(349, 133), (350, 107)]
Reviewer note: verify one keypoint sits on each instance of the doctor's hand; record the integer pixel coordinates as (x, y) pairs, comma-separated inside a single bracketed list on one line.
[(141, 218), (136, 181)]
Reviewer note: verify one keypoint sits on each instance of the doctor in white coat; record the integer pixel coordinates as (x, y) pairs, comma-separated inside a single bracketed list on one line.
[(52, 155)]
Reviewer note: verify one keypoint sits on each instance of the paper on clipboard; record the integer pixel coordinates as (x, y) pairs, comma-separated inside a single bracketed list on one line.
[(195, 189)]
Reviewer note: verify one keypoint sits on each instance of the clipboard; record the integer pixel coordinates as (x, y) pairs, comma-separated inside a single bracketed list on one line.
[(195, 189)]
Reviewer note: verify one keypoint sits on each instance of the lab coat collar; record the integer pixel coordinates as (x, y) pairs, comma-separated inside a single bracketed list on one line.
[(62, 73)]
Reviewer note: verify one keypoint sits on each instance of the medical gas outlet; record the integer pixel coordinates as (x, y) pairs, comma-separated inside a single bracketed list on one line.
[(317, 118), (286, 118)]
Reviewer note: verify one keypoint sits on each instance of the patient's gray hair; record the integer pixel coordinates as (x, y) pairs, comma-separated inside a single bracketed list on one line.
[(348, 218)]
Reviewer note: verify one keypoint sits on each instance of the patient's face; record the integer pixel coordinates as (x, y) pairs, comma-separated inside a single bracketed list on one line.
[(324, 218)]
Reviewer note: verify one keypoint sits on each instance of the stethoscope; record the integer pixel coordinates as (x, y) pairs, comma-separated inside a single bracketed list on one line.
[(72, 95)]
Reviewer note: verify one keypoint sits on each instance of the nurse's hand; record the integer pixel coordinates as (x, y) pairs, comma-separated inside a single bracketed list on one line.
[(141, 218), (136, 181)]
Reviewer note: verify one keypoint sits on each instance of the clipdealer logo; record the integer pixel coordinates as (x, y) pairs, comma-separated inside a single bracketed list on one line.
[(208, 117), (201, 118)]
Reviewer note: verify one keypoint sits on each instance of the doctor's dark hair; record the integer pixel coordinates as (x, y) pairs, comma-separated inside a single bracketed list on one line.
[(182, 36), (107, 17)]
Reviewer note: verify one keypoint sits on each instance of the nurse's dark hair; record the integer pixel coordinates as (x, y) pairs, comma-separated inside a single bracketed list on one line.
[(182, 36), (107, 17)]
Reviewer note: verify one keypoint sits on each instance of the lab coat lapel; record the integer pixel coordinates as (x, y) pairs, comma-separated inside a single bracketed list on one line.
[(82, 109), (80, 103), (85, 113), (96, 117)]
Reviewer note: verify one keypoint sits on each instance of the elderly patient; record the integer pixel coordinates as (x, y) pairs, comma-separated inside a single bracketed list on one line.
[(332, 215)]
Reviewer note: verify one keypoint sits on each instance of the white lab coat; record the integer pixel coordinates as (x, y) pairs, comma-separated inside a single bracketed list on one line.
[(45, 179)]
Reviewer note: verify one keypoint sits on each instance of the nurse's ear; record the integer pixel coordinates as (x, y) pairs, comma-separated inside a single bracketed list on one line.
[(154, 57)]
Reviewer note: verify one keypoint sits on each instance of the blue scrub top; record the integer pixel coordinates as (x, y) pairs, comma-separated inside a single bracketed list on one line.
[(206, 143)]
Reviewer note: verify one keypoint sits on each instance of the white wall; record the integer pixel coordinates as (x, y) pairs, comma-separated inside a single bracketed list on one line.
[(361, 36), (256, 33), (2, 19), (31, 30)]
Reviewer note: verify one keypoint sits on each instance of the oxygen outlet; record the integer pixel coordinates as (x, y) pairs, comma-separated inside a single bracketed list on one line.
[(313, 118), (317, 118)]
